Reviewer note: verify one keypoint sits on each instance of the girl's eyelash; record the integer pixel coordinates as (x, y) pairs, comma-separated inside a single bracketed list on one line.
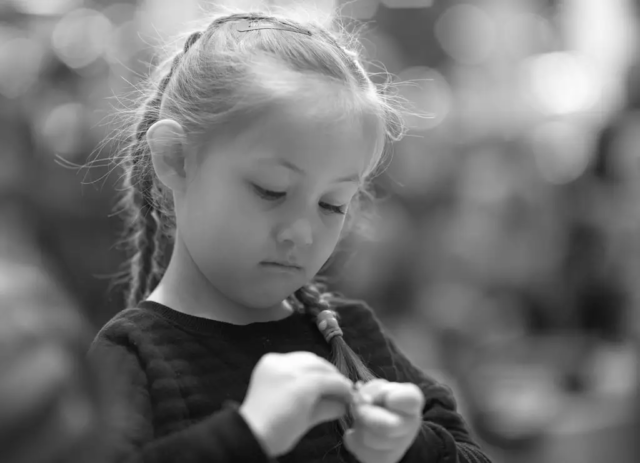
[(271, 195), (333, 209)]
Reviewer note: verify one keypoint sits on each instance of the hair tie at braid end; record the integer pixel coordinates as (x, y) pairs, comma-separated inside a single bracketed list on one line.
[(328, 325)]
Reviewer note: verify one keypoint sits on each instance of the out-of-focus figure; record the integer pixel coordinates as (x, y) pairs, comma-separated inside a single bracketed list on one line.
[(52, 404)]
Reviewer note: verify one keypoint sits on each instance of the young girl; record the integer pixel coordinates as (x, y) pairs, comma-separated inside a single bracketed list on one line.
[(246, 161)]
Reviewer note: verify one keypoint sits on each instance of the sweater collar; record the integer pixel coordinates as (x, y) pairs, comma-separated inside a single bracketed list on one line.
[(207, 326)]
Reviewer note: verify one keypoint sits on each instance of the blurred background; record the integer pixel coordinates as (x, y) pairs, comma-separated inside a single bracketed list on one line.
[(506, 250)]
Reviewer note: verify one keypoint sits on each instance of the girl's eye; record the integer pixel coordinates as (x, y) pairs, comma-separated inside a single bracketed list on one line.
[(333, 209), (269, 195)]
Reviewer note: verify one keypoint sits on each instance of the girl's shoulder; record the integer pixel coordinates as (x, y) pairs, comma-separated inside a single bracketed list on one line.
[(126, 318), (359, 322), (124, 324), (354, 312), (366, 336)]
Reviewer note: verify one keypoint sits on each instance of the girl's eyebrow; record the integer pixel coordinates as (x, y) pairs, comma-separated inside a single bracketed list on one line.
[(353, 178)]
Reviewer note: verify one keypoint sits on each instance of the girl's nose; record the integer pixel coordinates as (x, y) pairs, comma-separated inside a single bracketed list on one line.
[(298, 233)]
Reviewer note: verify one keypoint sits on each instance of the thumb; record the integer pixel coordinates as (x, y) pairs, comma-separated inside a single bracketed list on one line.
[(406, 399), (349, 439)]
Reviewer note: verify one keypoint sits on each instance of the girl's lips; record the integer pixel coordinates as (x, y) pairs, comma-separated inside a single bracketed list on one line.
[(285, 266)]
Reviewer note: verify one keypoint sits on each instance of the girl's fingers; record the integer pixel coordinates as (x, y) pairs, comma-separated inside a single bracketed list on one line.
[(374, 391), (328, 410), (366, 442), (379, 421), (405, 398), (330, 386)]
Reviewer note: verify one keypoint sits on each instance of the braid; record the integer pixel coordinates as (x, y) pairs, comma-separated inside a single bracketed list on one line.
[(156, 234), (144, 225), (134, 229), (315, 303), (141, 262)]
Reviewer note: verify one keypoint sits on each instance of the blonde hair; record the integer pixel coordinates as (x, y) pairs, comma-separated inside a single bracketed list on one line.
[(226, 73)]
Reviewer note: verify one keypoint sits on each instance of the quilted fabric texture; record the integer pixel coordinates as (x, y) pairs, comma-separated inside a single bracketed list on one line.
[(179, 373)]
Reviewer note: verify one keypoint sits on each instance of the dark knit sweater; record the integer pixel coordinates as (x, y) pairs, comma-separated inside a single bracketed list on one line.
[(183, 370)]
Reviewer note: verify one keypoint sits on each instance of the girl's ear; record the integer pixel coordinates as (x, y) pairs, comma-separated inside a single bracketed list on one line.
[(167, 143)]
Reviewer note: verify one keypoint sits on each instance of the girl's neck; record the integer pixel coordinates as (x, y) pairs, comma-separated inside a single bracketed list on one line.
[(185, 289)]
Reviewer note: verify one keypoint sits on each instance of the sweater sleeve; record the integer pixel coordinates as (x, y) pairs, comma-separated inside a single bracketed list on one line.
[(223, 437), (444, 437)]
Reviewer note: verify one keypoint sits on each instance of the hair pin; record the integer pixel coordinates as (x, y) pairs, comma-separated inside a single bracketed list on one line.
[(250, 25)]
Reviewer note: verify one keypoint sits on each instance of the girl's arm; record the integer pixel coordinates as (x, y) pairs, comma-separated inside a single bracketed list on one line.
[(444, 436), (223, 437)]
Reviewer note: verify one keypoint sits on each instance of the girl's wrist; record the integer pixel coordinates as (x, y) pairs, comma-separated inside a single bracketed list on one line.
[(258, 433)]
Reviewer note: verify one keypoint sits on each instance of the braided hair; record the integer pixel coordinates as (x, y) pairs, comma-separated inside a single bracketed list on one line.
[(315, 302), (143, 225)]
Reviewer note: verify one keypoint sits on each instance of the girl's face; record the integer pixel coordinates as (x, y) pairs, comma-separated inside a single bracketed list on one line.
[(264, 211)]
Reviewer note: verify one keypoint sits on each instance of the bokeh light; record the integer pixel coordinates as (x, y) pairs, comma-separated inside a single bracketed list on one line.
[(359, 9), (46, 7), (21, 60), (119, 13), (242, 5), (81, 36), (560, 83), (486, 179), (322, 11), (381, 54), (123, 43), (562, 150), (429, 94), (605, 34), (312, 7), (407, 3), (523, 34), (162, 19), (467, 33), (62, 128)]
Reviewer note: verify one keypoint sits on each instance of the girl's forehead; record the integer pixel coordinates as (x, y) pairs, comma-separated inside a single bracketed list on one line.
[(331, 141)]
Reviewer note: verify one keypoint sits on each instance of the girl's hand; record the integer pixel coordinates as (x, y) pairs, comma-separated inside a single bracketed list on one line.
[(387, 418), (291, 393)]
